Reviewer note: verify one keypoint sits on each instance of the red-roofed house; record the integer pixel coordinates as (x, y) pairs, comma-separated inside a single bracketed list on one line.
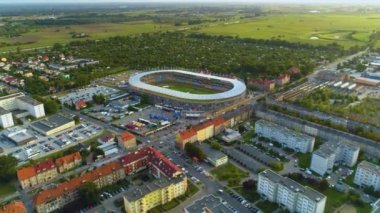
[(13, 207), (37, 174), (80, 104), (68, 162), (282, 79), (145, 158), (200, 132), (126, 140)]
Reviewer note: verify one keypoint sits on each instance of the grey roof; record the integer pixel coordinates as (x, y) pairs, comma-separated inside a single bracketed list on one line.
[(3, 111), (51, 122), (13, 95), (137, 192), (211, 202), (326, 150), (293, 185), (210, 152), (29, 100), (284, 130), (238, 86)]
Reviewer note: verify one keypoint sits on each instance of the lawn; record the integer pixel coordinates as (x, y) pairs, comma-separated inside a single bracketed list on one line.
[(345, 29), (267, 207), (250, 195), (188, 88), (304, 159), (230, 173), (7, 188)]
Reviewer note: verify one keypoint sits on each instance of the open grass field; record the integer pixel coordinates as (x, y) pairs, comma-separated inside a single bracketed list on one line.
[(43, 37), (230, 173), (185, 88), (346, 30)]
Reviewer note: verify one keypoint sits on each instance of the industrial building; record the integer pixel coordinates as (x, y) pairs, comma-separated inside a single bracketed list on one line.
[(19, 136), (53, 124), (18, 101), (328, 154), (368, 175), (288, 138), (289, 194)]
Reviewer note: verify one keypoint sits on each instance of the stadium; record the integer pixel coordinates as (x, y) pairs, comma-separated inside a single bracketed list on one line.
[(187, 89)]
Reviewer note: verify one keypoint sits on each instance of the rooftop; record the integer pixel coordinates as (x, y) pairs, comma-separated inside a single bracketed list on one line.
[(68, 159), (136, 192), (29, 100), (31, 171), (51, 122), (13, 207), (214, 204), (292, 185), (284, 130), (210, 152), (126, 136)]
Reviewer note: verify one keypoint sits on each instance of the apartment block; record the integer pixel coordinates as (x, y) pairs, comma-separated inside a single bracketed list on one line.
[(297, 141), (18, 101), (126, 140), (289, 194), (327, 155), (368, 175), (15, 206), (144, 158), (68, 162), (37, 174), (200, 132), (140, 199)]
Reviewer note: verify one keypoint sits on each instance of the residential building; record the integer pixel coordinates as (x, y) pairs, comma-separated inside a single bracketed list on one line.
[(126, 140), (18, 101), (53, 124), (64, 193), (68, 162), (282, 80), (368, 175), (200, 132), (215, 157), (297, 141), (140, 199), (208, 204), (37, 174), (80, 104), (145, 158), (328, 154), (109, 138), (289, 194), (13, 207)]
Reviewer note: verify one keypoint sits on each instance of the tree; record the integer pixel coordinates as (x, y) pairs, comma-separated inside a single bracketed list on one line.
[(249, 184), (99, 98), (193, 151), (215, 145), (276, 166), (77, 119), (89, 193), (8, 166)]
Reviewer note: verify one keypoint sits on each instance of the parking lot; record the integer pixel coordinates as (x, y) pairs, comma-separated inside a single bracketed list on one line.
[(86, 94), (48, 144)]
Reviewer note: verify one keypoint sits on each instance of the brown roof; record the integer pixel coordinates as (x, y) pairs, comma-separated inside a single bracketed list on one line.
[(26, 173), (75, 183), (126, 136), (13, 207), (68, 159)]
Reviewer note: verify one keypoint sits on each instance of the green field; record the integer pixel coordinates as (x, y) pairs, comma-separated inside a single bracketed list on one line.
[(346, 30), (43, 37), (185, 88), (230, 173)]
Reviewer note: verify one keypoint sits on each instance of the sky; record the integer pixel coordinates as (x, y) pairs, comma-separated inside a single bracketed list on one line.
[(198, 1)]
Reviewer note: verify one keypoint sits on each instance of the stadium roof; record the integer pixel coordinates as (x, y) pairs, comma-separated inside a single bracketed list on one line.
[(237, 89)]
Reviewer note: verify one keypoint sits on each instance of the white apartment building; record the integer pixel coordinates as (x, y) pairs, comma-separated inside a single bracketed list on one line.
[(18, 101), (289, 194), (327, 155), (288, 138), (368, 175)]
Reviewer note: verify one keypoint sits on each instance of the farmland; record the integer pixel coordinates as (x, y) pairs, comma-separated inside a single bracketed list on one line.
[(316, 29)]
